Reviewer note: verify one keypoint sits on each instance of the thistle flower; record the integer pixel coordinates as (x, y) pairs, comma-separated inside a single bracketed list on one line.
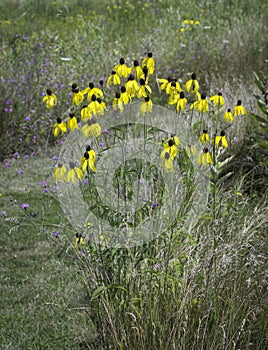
[(221, 141), (204, 137), (59, 172), (72, 122), (59, 127), (192, 84), (204, 158), (239, 109), (121, 69), (50, 99), (113, 79), (74, 173), (228, 115), (149, 63), (217, 99), (146, 105)]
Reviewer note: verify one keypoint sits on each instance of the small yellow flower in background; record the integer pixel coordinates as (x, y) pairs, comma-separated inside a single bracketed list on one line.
[(221, 141), (91, 128), (113, 79), (197, 22), (228, 116), (146, 105), (121, 69), (182, 30), (85, 113), (59, 172), (201, 105), (88, 160), (78, 241), (192, 84), (191, 150), (186, 21), (92, 90), (59, 127), (239, 109), (204, 137), (117, 103), (74, 173), (217, 99), (50, 99), (149, 63), (138, 72), (144, 89), (204, 158), (72, 122), (239, 194), (132, 86), (191, 21)]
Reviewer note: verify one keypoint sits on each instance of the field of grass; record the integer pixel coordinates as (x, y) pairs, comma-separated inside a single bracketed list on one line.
[(205, 288)]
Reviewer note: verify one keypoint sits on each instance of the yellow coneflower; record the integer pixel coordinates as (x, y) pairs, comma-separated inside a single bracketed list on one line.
[(121, 69), (192, 84), (204, 158), (72, 122), (149, 63), (239, 109), (50, 99), (113, 79), (204, 137), (217, 99), (59, 127), (146, 105), (74, 173), (228, 116), (88, 160), (59, 172), (201, 105), (221, 141)]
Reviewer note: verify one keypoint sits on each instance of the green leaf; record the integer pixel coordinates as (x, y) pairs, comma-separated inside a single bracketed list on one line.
[(97, 292)]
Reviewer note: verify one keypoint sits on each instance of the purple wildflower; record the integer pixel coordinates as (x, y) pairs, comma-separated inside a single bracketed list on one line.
[(25, 205)]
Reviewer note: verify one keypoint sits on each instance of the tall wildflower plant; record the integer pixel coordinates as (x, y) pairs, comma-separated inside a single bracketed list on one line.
[(134, 182)]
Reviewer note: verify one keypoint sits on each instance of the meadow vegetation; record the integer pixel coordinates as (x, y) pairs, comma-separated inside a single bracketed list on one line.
[(204, 289)]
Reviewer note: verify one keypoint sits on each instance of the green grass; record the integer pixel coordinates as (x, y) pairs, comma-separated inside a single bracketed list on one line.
[(201, 290)]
